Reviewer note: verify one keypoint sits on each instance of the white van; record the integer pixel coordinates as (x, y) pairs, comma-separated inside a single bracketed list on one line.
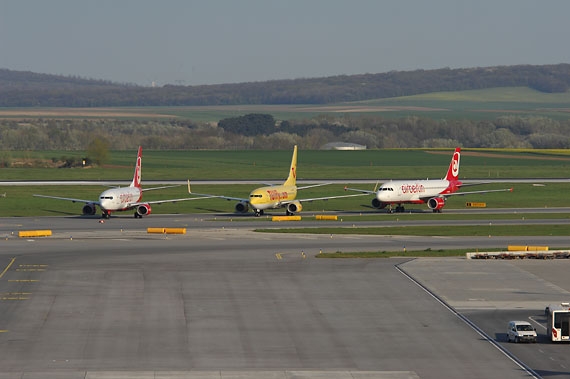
[(520, 331)]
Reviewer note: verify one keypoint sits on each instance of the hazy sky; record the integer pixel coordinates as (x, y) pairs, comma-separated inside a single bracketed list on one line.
[(208, 42)]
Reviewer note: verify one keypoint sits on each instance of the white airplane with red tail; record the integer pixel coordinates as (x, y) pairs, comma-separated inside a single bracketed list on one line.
[(432, 192), (122, 198)]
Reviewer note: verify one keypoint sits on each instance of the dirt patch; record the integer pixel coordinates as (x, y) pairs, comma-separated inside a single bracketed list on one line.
[(79, 112), (365, 109)]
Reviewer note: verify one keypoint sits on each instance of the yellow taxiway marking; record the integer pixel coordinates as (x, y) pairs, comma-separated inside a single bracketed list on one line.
[(3, 331), (30, 269), (278, 256), (7, 267), (14, 298), (23, 280)]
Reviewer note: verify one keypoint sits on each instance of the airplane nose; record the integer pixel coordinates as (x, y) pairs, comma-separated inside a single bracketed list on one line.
[(104, 203), (383, 196)]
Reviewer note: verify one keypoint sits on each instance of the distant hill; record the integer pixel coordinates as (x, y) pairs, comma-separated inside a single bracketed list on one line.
[(28, 89)]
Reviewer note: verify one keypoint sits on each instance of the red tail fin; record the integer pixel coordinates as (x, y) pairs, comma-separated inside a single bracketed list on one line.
[(137, 176), (453, 171)]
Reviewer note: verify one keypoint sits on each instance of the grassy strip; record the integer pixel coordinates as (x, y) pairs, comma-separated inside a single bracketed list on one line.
[(429, 216), (456, 231), (402, 253), (18, 200)]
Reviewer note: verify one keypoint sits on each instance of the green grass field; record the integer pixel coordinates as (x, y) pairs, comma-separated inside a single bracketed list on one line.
[(263, 166), (20, 202), (266, 165), (456, 231), (482, 104)]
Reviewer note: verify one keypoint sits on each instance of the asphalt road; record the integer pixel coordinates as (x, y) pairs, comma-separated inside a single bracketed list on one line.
[(109, 300)]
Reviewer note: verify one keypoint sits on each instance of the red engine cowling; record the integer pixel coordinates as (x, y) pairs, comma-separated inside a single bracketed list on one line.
[(143, 210), (378, 204), (436, 203), (294, 207), (241, 207), (89, 209)]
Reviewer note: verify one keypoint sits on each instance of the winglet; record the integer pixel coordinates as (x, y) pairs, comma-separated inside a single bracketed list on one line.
[(137, 176), (292, 178), (453, 170), (377, 186)]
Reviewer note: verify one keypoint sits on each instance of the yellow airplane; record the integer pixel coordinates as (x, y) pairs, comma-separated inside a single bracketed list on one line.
[(271, 197)]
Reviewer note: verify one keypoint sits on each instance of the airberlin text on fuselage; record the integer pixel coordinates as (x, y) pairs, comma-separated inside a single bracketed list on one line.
[(127, 197), (276, 195), (413, 188)]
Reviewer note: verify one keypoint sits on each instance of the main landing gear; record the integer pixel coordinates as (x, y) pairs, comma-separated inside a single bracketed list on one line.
[(399, 209)]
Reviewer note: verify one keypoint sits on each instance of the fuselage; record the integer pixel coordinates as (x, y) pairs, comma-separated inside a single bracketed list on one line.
[(417, 191), (271, 196), (119, 199)]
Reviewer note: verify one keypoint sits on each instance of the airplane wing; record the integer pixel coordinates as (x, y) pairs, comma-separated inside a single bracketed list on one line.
[(367, 192), (323, 198), (446, 195), (205, 196), (69, 199), (473, 192), (155, 188), (172, 200), (313, 185), (216, 196)]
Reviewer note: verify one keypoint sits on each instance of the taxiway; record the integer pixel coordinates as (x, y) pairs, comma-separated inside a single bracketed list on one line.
[(108, 300)]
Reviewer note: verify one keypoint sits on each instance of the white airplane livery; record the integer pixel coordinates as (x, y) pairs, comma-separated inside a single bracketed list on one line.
[(271, 197), (432, 192), (122, 199)]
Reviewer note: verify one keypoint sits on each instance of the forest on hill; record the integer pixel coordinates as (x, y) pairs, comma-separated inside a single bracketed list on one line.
[(28, 89), (525, 129)]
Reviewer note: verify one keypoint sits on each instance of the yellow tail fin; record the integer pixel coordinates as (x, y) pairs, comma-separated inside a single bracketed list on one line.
[(292, 178)]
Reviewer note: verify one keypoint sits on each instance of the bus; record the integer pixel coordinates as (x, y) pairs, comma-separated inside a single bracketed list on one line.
[(558, 322)]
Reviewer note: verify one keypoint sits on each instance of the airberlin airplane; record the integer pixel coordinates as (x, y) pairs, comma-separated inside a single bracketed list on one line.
[(122, 199), (432, 192), (271, 197)]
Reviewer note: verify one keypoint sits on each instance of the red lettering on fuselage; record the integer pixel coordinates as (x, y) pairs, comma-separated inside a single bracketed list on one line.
[(413, 188), (275, 195), (127, 197)]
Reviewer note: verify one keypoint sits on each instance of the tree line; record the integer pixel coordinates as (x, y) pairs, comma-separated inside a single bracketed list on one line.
[(27, 89), (259, 131)]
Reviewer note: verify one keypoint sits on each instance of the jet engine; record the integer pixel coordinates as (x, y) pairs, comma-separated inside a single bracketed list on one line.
[(378, 204), (241, 207), (436, 203), (142, 210), (89, 209), (294, 207)]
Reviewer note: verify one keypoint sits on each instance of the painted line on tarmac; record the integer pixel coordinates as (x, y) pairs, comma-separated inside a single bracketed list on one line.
[(537, 323), (478, 330), (7, 267)]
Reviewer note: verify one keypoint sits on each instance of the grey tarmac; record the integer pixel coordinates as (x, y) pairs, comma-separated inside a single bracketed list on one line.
[(114, 302)]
